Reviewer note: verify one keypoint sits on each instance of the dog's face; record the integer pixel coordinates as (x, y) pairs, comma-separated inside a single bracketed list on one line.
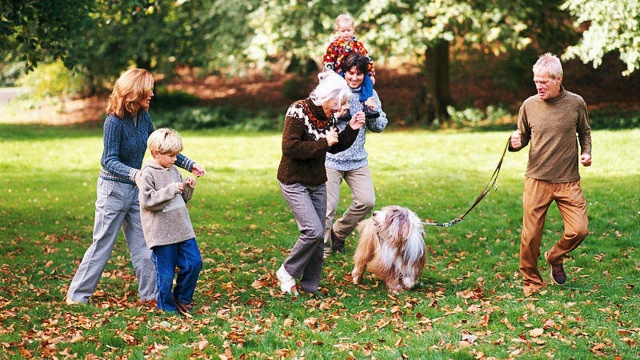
[(391, 246), (392, 222)]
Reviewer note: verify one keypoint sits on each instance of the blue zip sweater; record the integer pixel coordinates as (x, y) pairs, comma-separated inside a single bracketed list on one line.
[(355, 157), (125, 142)]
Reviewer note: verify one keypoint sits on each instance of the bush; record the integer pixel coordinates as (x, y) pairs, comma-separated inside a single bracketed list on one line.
[(168, 100), (52, 80), (614, 118), (474, 117), (205, 117)]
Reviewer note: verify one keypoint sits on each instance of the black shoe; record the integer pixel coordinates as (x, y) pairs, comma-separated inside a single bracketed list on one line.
[(369, 113), (557, 272), (337, 244)]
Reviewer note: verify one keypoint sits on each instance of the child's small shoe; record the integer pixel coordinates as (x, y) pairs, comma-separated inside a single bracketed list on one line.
[(287, 282), (370, 113)]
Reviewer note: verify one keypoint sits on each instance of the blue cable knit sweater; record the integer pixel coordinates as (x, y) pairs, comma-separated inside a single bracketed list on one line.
[(125, 142), (355, 157)]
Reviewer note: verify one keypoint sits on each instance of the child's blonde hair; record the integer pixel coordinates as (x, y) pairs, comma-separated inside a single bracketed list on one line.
[(345, 19), (165, 141)]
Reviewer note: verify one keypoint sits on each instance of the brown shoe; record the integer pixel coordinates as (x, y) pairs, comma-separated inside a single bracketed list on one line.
[(183, 309), (337, 244), (557, 274)]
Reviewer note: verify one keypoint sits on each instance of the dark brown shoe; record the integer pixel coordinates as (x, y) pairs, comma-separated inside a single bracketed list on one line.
[(184, 309), (337, 244), (557, 272)]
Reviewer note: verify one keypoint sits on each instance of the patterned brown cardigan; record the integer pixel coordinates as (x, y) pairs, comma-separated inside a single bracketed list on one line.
[(304, 147)]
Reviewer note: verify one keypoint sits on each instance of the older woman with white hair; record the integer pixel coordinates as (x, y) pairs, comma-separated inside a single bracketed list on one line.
[(309, 133)]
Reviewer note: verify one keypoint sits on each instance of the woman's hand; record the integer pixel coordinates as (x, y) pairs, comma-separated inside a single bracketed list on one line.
[(357, 120), (198, 170)]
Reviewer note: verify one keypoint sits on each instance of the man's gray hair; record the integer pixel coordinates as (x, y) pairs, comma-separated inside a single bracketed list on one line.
[(548, 63)]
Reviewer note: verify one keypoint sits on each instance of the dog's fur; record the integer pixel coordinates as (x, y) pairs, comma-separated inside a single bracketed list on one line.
[(392, 247)]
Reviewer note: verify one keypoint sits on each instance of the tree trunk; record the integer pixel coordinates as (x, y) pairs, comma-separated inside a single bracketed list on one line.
[(434, 95)]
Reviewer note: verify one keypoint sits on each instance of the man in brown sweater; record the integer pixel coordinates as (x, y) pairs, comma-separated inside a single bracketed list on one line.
[(549, 122)]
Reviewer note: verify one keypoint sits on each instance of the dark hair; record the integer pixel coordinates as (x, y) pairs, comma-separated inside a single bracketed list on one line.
[(358, 60)]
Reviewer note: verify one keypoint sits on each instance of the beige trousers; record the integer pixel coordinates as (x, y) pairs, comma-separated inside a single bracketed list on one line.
[(538, 196)]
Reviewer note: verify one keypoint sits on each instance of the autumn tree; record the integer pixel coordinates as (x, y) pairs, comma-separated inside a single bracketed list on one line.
[(422, 30), (609, 26)]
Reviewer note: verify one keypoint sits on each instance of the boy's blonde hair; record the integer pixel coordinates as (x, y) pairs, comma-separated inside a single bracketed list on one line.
[(346, 19), (133, 86), (165, 141)]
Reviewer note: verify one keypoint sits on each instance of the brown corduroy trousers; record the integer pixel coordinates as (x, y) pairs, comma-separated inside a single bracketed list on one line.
[(538, 196)]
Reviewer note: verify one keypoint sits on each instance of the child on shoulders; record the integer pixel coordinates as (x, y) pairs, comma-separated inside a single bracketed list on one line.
[(344, 42)]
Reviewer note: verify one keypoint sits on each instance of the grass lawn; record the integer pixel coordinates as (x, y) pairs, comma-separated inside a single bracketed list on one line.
[(469, 304)]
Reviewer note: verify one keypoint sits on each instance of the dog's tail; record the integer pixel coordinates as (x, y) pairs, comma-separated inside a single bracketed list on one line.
[(414, 247)]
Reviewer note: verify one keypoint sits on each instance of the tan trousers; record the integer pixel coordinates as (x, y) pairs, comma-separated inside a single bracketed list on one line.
[(538, 196), (362, 194)]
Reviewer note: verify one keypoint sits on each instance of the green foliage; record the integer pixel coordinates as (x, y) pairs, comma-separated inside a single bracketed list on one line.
[(220, 117), (475, 117), (35, 31), (610, 26), (10, 73), (613, 118), (52, 80), (471, 287), (181, 110)]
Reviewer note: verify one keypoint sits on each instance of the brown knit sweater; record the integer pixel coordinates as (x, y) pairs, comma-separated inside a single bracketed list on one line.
[(551, 126), (304, 144)]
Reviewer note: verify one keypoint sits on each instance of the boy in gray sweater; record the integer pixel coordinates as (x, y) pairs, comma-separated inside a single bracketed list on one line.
[(166, 224)]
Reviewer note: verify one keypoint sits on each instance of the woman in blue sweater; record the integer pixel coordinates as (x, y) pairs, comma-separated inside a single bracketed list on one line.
[(126, 129)]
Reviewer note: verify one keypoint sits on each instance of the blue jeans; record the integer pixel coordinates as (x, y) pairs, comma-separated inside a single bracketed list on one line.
[(186, 256)]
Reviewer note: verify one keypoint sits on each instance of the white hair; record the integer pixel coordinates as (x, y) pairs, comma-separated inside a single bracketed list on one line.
[(550, 64), (331, 87)]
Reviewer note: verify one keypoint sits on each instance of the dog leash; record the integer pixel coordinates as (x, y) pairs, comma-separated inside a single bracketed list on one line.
[(493, 181)]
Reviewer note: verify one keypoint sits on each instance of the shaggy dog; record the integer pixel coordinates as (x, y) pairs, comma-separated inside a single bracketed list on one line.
[(391, 246)]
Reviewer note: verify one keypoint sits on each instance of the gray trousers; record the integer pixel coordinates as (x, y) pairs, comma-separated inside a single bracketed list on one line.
[(117, 206), (308, 205), (363, 200)]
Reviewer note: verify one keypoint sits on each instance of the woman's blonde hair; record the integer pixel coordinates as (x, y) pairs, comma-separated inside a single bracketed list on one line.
[(165, 141), (331, 86), (133, 86)]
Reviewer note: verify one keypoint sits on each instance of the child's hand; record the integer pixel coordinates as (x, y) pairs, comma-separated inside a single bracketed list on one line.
[(180, 186), (373, 79), (190, 181)]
